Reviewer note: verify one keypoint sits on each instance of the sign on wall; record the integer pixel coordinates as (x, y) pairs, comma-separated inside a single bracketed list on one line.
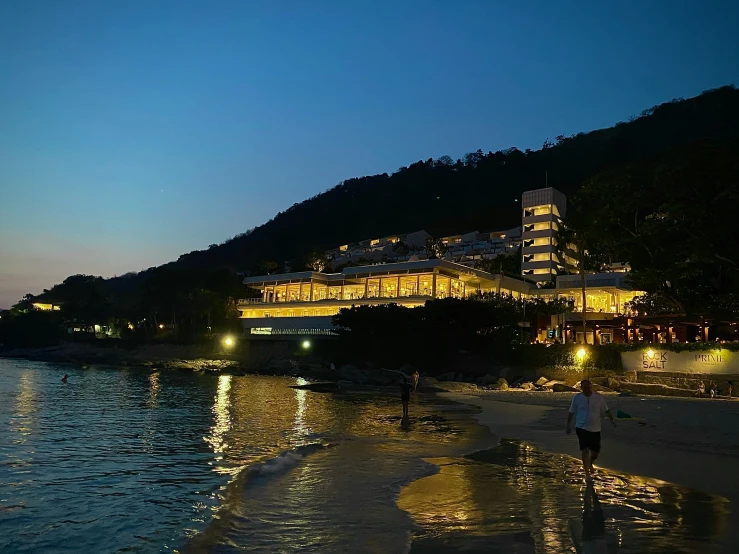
[(708, 361)]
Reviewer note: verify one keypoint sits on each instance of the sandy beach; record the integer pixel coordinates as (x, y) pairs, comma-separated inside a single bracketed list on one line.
[(690, 442)]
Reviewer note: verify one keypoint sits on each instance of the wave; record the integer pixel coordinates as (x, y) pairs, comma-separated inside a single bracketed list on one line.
[(230, 502)]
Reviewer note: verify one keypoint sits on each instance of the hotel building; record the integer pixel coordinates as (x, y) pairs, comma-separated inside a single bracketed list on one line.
[(303, 303)]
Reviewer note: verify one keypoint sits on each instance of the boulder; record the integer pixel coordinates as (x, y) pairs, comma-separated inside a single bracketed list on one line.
[(550, 384), (353, 374), (502, 384), (613, 384), (601, 388), (561, 387), (486, 380), (449, 376), (428, 381), (541, 381), (527, 386), (281, 367), (517, 383)]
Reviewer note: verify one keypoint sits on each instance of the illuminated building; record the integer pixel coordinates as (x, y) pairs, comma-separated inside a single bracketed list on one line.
[(303, 303), (46, 307), (543, 210)]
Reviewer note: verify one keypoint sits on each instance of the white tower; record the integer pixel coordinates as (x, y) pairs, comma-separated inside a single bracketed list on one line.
[(542, 213)]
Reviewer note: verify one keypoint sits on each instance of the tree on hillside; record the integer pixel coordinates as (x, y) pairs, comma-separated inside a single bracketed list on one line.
[(317, 262), (268, 267), (509, 264), (583, 249), (435, 248), (672, 218)]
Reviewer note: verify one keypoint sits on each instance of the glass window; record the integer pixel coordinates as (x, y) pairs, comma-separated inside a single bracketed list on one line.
[(425, 283), (281, 294), (353, 292), (443, 287), (320, 292), (334, 292), (409, 286), (457, 290), (373, 288), (293, 293), (389, 287), (305, 292)]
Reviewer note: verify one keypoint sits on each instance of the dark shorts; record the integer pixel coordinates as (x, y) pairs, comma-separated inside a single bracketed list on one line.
[(405, 398), (588, 439)]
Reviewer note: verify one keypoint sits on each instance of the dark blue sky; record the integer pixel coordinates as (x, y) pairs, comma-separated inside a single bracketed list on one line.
[(131, 132)]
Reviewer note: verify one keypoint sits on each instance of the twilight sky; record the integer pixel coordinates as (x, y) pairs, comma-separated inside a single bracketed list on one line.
[(134, 131)]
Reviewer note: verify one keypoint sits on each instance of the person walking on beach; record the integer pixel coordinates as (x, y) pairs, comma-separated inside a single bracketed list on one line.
[(405, 395), (416, 377), (587, 408)]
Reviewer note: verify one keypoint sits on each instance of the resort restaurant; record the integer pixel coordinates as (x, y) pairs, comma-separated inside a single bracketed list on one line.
[(321, 295)]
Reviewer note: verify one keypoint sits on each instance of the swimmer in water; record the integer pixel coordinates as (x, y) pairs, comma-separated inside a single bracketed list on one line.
[(64, 379)]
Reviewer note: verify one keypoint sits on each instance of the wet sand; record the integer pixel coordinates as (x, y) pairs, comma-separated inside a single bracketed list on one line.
[(688, 442)]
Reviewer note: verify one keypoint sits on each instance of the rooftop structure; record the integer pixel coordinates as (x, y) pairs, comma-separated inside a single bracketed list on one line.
[(466, 249)]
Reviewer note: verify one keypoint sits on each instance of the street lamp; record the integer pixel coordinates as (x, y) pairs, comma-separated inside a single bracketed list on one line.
[(306, 344), (229, 342)]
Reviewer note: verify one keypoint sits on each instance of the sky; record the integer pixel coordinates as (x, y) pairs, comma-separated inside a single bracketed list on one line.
[(134, 131)]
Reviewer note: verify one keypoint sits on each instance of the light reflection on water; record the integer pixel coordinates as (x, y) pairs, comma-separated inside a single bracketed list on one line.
[(519, 499), (136, 461)]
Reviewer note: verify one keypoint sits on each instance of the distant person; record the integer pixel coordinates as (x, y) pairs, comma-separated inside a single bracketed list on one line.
[(332, 366), (64, 379), (416, 378), (730, 389), (587, 408), (701, 389), (405, 395)]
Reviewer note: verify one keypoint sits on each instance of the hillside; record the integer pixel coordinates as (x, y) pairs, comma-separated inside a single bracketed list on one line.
[(445, 196)]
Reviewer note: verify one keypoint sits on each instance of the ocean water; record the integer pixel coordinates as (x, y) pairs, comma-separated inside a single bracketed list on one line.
[(126, 460)]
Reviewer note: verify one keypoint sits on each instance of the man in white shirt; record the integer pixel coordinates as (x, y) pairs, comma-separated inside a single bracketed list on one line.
[(587, 408)]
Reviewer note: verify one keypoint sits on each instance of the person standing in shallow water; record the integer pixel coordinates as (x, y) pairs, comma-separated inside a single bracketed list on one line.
[(64, 379), (405, 395), (587, 408)]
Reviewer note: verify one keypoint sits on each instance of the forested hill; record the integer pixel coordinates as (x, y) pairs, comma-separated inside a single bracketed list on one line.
[(478, 192)]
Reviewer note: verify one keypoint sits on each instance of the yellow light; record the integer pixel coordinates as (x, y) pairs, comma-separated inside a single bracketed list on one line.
[(161, 325), (581, 354), (228, 341), (306, 344), (650, 353)]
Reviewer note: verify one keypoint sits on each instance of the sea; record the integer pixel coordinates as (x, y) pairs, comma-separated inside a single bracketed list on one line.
[(124, 460)]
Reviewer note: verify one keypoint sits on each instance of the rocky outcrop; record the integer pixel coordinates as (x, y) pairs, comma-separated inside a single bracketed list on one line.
[(486, 380), (561, 387)]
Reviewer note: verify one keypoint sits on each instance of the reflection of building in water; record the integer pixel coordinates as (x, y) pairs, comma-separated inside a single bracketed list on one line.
[(154, 387), (301, 395), (221, 418), (25, 405)]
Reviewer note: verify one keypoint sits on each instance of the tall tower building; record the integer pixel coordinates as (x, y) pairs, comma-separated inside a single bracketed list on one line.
[(543, 210)]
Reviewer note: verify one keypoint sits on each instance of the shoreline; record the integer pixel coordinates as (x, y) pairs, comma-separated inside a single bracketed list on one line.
[(630, 447), (685, 442)]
